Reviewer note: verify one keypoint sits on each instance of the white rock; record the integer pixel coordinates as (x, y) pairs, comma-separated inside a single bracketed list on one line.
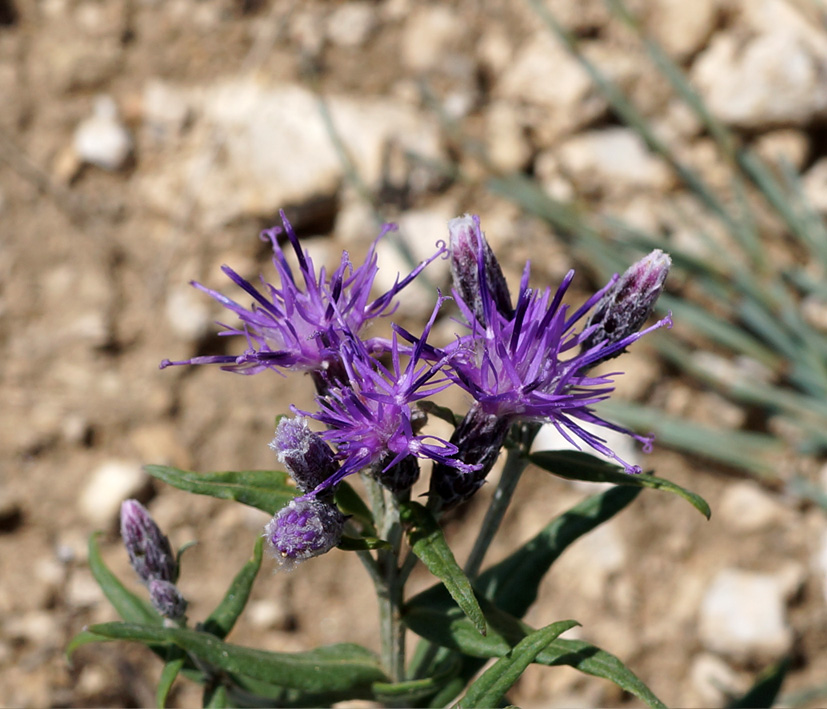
[(820, 562), (745, 508), (610, 158), (508, 148), (107, 487), (815, 185), (103, 140), (791, 146), (714, 680), (683, 27), (742, 616), (791, 90), (165, 110), (268, 614), (188, 313), (429, 33), (36, 627), (256, 148), (545, 75), (351, 24)]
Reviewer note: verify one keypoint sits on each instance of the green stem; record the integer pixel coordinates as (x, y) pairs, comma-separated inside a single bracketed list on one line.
[(515, 464), (388, 582)]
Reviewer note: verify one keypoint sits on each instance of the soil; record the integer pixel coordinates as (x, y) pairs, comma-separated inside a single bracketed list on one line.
[(87, 269)]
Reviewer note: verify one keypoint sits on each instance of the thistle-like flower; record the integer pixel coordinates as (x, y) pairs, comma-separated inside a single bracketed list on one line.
[(371, 421), (150, 553), (300, 327), (533, 365), (305, 454), (305, 528)]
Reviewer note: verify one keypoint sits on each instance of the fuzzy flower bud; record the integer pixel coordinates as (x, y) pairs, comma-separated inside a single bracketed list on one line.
[(472, 259), (149, 550), (478, 439), (167, 599), (305, 528), (624, 308), (305, 455)]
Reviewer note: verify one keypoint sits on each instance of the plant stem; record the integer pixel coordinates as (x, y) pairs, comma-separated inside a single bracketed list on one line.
[(515, 464), (388, 583)]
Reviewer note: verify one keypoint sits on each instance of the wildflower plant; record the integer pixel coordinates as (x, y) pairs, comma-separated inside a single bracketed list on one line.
[(521, 363)]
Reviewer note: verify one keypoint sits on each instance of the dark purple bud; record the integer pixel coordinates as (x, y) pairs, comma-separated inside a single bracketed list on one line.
[(149, 551), (471, 256), (478, 438), (305, 455), (624, 308), (167, 599), (401, 476), (305, 528)]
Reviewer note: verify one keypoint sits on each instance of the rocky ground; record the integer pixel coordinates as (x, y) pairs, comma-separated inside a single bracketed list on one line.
[(145, 143)]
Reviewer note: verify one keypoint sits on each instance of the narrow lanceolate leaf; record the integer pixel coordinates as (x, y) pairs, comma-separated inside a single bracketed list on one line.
[(175, 662), (428, 543), (351, 505), (440, 412), (489, 689), (512, 583), (582, 466), (342, 667), (130, 607), (434, 615), (267, 490), (224, 617), (215, 697)]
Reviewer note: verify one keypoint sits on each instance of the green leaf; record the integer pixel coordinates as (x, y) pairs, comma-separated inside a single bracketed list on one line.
[(175, 662), (225, 615), (215, 696), (84, 637), (130, 607), (349, 502), (434, 615), (512, 583), (362, 544), (489, 689), (267, 490), (428, 543), (766, 688), (575, 465), (408, 693), (332, 668)]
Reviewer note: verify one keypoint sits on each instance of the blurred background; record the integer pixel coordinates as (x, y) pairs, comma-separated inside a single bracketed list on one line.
[(145, 143)]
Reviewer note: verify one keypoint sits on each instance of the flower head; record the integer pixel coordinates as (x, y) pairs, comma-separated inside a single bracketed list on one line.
[(167, 599), (150, 553), (305, 528), (534, 365), (300, 325), (371, 421)]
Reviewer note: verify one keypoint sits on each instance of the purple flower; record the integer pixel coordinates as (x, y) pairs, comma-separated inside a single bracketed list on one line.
[(371, 421), (534, 365), (299, 326), (150, 553), (305, 528)]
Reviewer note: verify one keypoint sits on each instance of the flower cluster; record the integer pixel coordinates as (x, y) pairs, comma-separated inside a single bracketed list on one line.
[(526, 361)]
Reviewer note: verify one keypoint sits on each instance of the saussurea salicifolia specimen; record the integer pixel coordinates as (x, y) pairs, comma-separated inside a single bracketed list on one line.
[(522, 362)]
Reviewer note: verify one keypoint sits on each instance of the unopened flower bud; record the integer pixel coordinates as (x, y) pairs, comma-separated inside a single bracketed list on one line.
[(401, 476), (149, 550), (478, 438), (624, 308), (471, 256), (305, 528), (305, 455), (167, 599)]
